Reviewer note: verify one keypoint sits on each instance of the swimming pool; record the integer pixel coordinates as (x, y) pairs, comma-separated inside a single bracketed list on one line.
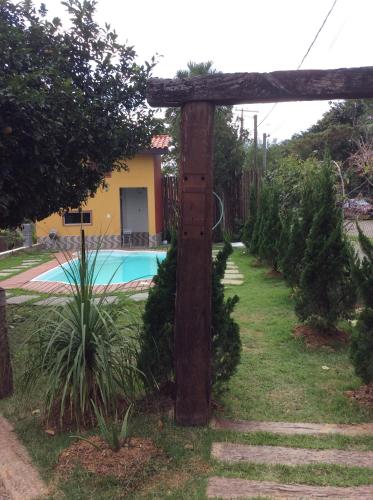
[(112, 266)]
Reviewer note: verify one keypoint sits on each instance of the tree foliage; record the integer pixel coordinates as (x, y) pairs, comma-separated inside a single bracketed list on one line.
[(72, 102), (229, 153)]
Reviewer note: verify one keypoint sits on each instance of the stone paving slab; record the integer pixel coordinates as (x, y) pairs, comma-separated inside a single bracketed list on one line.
[(288, 428), (7, 271), (282, 455), (21, 481), (230, 276), (62, 301), (138, 297), (231, 282), (5, 274), (21, 299), (220, 487), (53, 301), (232, 271), (110, 299)]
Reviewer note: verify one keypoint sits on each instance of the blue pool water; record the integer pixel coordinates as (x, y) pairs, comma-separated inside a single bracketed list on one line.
[(113, 266)]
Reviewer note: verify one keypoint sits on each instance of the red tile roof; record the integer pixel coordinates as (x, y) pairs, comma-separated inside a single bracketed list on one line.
[(160, 141)]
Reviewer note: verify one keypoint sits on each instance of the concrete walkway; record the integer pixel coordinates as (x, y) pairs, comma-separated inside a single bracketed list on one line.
[(19, 480)]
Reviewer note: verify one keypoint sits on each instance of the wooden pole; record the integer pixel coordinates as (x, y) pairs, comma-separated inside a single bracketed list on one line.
[(6, 377), (278, 86), (193, 297)]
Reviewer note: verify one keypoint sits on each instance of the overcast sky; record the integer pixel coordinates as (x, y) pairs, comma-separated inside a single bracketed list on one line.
[(246, 35)]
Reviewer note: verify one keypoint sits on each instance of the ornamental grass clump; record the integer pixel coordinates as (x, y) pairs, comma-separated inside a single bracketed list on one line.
[(79, 354)]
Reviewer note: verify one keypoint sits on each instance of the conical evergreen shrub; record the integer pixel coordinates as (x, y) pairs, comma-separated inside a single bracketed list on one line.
[(270, 228), (326, 290), (157, 339), (361, 352), (248, 229), (259, 221), (301, 222)]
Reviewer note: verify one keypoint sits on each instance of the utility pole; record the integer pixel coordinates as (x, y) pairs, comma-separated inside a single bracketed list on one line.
[(264, 152), (255, 142), (241, 118)]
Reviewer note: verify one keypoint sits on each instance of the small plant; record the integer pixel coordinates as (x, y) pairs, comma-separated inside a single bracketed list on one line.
[(113, 435), (81, 353)]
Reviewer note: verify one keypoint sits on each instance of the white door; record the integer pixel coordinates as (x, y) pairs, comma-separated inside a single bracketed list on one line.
[(134, 202)]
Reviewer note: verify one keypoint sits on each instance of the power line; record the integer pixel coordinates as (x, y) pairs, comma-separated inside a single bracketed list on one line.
[(306, 54)]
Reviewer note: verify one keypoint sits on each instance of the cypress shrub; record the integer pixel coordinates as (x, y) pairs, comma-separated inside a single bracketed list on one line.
[(270, 228), (361, 352), (156, 337), (301, 222), (248, 229), (326, 290), (259, 221)]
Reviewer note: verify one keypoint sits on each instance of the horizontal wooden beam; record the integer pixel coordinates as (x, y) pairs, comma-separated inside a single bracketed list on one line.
[(279, 86)]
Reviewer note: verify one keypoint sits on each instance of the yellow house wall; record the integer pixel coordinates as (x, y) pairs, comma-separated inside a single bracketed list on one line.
[(105, 205)]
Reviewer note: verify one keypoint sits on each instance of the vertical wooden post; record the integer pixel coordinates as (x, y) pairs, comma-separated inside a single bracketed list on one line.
[(193, 295), (6, 378)]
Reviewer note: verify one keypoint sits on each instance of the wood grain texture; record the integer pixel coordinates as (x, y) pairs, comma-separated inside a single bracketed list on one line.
[(293, 428), (275, 455), (193, 291), (278, 86), (220, 487)]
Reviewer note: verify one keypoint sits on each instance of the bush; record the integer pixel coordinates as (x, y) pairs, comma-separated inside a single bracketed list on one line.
[(301, 222), (270, 229), (259, 221), (362, 342), (248, 228), (156, 338), (326, 291), (80, 352), (362, 346)]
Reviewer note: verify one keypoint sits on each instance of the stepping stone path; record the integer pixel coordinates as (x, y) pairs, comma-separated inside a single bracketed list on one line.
[(20, 299), (19, 480), (220, 487), (288, 428), (231, 453), (282, 455)]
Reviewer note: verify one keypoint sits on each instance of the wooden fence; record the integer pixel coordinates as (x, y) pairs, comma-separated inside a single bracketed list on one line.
[(235, 200)]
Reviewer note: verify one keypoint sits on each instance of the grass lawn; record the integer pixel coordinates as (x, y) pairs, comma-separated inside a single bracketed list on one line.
[(17, 259), (278, 379)]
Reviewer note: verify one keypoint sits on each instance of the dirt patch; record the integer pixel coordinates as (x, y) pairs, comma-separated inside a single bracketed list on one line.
[(320, 338), (362, 395), (273, 274), (127, 463)]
